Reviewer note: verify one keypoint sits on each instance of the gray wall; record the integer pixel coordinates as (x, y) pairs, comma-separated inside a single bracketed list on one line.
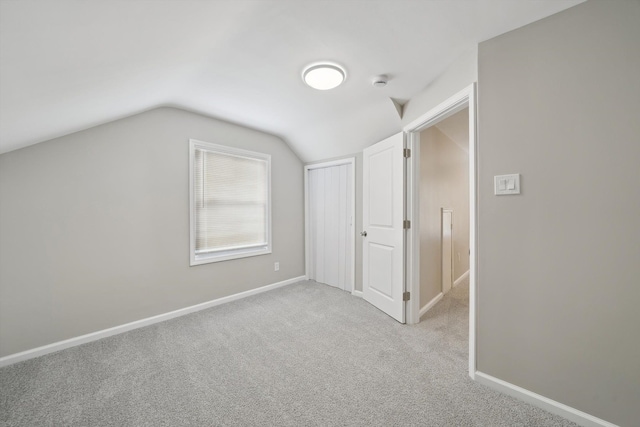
[(559, 102), (95, 227), (444, 183)]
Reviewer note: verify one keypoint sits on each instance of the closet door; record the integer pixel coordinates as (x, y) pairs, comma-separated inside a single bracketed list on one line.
[(330, 225)]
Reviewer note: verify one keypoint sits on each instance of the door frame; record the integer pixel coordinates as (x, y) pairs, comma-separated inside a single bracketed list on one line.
[(351, 182), (461, 100)]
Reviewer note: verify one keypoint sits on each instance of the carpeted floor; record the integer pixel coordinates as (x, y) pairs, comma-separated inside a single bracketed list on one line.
[(302, 355)]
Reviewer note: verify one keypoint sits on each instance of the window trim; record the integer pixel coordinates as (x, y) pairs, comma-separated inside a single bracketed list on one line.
[(225, 255)]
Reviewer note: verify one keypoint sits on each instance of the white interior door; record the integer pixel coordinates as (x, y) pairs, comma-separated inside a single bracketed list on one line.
[(447, 250), (383, 234), (331, 225)]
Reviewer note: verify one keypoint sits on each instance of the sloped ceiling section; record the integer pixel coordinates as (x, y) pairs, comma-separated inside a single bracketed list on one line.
[(456, 128), (68, 65)]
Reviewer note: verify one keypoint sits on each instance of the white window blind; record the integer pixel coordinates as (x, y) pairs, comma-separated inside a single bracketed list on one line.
[(230, 203)]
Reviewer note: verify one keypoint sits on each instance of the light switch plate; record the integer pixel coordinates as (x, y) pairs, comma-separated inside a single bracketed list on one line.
[(506, 184)]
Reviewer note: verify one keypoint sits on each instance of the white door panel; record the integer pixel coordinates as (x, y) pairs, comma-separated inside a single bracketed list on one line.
[(381, 183), (383, 215), (381, 281), (330, 226)]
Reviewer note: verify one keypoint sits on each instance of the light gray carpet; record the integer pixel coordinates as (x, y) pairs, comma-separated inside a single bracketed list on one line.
[(302, 355)]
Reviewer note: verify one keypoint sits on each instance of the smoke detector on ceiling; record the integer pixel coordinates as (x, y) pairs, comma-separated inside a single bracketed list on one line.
[(380, 81)]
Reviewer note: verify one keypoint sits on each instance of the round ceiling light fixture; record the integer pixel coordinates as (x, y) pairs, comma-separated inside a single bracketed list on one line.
[(324, 76)]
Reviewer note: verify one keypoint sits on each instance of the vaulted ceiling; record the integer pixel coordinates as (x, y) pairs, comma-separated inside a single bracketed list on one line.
[(67, 65)]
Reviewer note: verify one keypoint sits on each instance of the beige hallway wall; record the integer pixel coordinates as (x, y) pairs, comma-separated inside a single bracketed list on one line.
[(444, 183)]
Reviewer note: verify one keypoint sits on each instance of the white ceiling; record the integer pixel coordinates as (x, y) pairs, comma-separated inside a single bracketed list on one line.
[(66, 65)]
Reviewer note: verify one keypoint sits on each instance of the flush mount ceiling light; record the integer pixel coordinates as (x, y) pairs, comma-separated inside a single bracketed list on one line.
[(323, 76)]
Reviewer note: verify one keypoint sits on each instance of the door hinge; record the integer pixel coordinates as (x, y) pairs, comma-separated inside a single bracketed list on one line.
[(406, 296), (407, 153), (406, 224)]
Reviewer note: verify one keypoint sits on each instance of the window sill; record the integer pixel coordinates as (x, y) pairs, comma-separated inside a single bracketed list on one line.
[(227, 255)]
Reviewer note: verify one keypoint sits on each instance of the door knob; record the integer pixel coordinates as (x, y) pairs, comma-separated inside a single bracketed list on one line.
[(363, 233)]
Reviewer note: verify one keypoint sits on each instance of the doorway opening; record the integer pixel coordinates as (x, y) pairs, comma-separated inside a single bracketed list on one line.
[(432, 141), (444, 207)]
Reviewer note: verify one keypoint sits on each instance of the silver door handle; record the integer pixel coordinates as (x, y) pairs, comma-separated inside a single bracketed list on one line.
[(363, 233)]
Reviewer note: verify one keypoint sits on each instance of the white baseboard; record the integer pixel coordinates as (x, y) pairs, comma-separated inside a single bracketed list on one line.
[(460, 279), (572, 414), (356, 293), (94, 336), (430, 304)]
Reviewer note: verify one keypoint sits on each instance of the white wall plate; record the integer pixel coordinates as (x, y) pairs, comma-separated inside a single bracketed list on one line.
[(506, 184)]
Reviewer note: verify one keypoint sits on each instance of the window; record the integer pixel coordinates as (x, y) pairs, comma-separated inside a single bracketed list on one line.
[(230, 203)]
